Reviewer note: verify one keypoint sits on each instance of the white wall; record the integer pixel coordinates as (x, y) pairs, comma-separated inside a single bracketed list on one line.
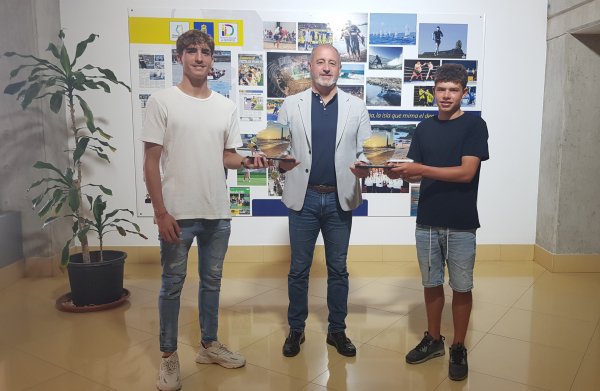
[(515, 55)]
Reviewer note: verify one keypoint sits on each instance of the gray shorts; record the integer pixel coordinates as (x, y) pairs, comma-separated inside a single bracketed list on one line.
[(438, 246)]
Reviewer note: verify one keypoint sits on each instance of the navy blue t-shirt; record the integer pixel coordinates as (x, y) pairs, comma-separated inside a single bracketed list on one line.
[(443, 143)]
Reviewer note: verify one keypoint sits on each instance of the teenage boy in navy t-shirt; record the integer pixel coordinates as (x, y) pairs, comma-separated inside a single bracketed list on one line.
[(447, 151)]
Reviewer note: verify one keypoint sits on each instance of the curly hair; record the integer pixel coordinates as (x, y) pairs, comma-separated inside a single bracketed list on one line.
[(452, 72)]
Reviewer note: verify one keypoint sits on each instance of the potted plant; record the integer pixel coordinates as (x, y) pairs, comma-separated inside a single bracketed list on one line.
[(63, 193)]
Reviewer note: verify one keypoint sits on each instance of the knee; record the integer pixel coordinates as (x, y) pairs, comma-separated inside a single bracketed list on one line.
[(338, 272), (212, 276), (172, 286)]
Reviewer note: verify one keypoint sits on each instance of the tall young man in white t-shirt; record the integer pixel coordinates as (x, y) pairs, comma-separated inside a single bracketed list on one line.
[(191, 133)]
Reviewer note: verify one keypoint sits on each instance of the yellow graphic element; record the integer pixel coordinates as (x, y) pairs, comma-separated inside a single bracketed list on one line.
[(158, 30)]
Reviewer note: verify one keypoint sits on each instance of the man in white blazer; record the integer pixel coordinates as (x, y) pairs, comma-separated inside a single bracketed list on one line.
[(328, 128)]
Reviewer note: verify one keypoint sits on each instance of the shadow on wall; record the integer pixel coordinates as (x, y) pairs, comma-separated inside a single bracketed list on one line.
[(23, 142)]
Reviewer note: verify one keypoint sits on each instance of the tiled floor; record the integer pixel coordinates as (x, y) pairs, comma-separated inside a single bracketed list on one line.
[(530, 330)]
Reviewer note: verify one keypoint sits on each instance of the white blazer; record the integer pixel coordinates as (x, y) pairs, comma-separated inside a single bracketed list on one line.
[(353, 128)]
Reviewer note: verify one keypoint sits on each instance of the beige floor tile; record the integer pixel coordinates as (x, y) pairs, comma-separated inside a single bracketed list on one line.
[(588, 376), (488, 290), (524, 362), (530, 330), (314, 387), (136, 368), (482, 382), (88, 340), (571, 295), (406, 333), (483, 315), (151, 284), (19, 370), (518, 272), (386, 297), (314, 358), (236, 329), (274, 304), (47, 289), (24, 318), (69, 382), (381, 369), (247, 378), (145, 316), (544, 329), (362, 323)]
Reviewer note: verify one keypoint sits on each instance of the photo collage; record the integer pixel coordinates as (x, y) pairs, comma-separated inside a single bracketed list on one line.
[(388, 60)]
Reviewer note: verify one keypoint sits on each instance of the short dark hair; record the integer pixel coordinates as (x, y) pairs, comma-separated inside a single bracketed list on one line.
[(194, 37), (453, 73)]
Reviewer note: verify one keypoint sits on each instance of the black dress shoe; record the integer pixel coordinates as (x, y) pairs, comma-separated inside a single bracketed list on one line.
[(291, 346), (342, 344)]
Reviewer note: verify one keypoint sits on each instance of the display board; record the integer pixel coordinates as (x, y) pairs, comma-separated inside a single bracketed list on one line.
[(388, 59)]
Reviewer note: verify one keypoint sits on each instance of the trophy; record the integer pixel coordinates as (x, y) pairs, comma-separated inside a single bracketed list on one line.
[(382, 151), (274, 141)]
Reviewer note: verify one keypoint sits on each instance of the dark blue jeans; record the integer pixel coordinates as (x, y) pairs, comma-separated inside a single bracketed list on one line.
[(321, 212)]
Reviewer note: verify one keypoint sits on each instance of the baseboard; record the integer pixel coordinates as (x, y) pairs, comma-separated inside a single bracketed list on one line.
[(567, 263), (356, 253), (11, 273)]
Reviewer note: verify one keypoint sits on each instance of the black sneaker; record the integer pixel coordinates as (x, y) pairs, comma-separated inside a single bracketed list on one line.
[(291, 346), (458, 368), (342, 344), (426, 349)]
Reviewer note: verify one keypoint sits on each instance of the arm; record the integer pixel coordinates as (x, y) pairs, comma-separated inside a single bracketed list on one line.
[(233, 160), (460, 174), (168, 229)]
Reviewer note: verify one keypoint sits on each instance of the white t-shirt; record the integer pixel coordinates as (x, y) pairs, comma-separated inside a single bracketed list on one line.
[(193, 132)]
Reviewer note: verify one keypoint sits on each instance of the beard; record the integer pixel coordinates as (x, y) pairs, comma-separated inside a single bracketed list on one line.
[(325, 82)]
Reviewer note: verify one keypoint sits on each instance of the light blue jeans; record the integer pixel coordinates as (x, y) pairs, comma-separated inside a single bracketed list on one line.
[(438, 246), (321, 212), (212, 237)]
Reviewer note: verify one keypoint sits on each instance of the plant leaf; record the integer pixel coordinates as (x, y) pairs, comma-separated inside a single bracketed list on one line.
[(121, 230), (99, 207), (12, 89), (49, 220), (89, 116), (103, 134), (56, 101), (52, 48), (64, 257), (64, 60), (103, 156), (73, 199), (81, 46), (49, 166), (31, 93), (104, 189), (80, 149)]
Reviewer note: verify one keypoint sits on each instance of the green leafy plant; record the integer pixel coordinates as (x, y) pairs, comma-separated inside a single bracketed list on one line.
[(61, 192)]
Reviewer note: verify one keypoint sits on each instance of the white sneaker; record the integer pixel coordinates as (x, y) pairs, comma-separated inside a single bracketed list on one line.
[(168, 374), (218, 353)]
